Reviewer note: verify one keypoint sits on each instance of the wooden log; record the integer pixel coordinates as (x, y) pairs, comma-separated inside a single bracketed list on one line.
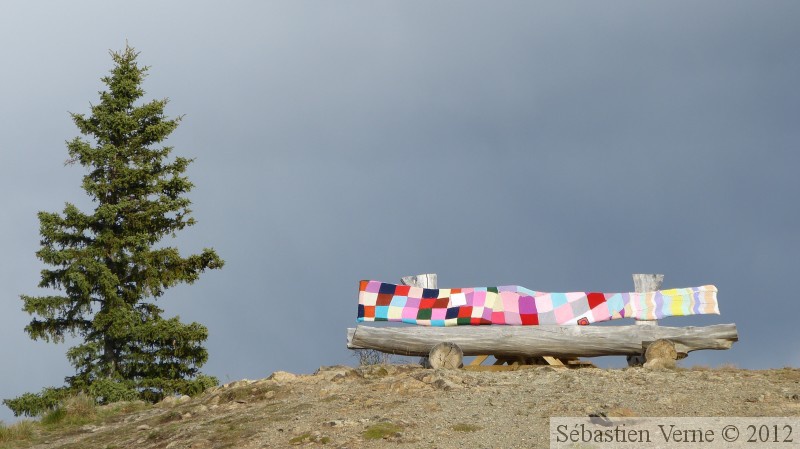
[(428, 280), (660, 354), (446, 355), (538, 341), (644, 283), (647, 283)]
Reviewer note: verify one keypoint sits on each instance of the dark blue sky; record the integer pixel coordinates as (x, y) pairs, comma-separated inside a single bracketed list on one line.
[(556, 146)]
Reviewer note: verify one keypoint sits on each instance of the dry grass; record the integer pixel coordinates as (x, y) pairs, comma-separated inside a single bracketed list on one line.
[(22, 431), (381, 430), (74, 411), (727, 367), (461, 427), (308, 437)]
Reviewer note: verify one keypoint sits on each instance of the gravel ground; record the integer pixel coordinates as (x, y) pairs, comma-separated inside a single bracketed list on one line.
[(407, 406)]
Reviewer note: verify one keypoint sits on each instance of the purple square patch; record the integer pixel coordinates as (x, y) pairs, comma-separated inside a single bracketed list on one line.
[(527, 305)]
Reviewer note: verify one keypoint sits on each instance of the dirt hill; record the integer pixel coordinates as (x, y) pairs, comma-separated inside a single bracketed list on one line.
[(407, 406)]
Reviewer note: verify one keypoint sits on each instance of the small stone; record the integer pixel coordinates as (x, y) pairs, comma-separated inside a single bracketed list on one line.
[(444, 384), (143, 427)]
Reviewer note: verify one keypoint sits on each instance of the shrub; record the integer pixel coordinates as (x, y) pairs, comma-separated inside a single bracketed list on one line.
[(367, 357)]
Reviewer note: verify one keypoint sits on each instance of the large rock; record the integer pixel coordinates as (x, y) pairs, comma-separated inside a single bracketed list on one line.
[(282, 376)]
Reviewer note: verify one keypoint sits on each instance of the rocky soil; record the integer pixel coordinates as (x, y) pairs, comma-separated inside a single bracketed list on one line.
[(407, 406)]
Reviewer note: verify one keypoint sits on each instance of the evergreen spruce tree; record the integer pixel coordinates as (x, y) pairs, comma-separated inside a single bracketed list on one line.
[(108, 264)]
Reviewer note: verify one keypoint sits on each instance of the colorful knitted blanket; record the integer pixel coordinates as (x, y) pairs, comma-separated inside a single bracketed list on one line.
[(515, 305)]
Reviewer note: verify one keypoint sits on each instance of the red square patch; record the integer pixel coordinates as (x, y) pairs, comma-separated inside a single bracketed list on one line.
[(441, 303), (384, 299), (369, 311), (595, 299)]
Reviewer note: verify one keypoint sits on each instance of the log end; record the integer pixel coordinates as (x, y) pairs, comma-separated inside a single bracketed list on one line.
[(660, 354), (446, 355)]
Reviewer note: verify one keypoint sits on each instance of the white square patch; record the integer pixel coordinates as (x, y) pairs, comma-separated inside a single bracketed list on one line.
[(457, 300)]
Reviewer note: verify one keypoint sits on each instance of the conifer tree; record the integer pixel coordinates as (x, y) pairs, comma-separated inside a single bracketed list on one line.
[(108, 265)]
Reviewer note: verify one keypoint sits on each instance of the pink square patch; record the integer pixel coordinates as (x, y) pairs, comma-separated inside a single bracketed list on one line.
[(498, 318), (478, 299), (510, 301), (512, 318), (544, 303), (415, 292), (564, 314), (601, 313)]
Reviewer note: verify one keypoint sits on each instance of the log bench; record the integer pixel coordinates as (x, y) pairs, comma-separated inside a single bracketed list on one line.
[(514, 347)]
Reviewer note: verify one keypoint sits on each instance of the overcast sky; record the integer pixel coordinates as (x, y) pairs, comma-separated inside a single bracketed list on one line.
[(561, 146)]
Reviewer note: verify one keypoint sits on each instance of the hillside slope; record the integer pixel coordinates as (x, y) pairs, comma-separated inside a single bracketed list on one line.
[(408, 406)]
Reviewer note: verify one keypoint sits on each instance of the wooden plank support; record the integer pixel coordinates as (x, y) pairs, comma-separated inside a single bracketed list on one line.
[(478, 360), (552, 360)]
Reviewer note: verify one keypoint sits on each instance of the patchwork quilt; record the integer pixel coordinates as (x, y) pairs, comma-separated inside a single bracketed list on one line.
[(515, 305)]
